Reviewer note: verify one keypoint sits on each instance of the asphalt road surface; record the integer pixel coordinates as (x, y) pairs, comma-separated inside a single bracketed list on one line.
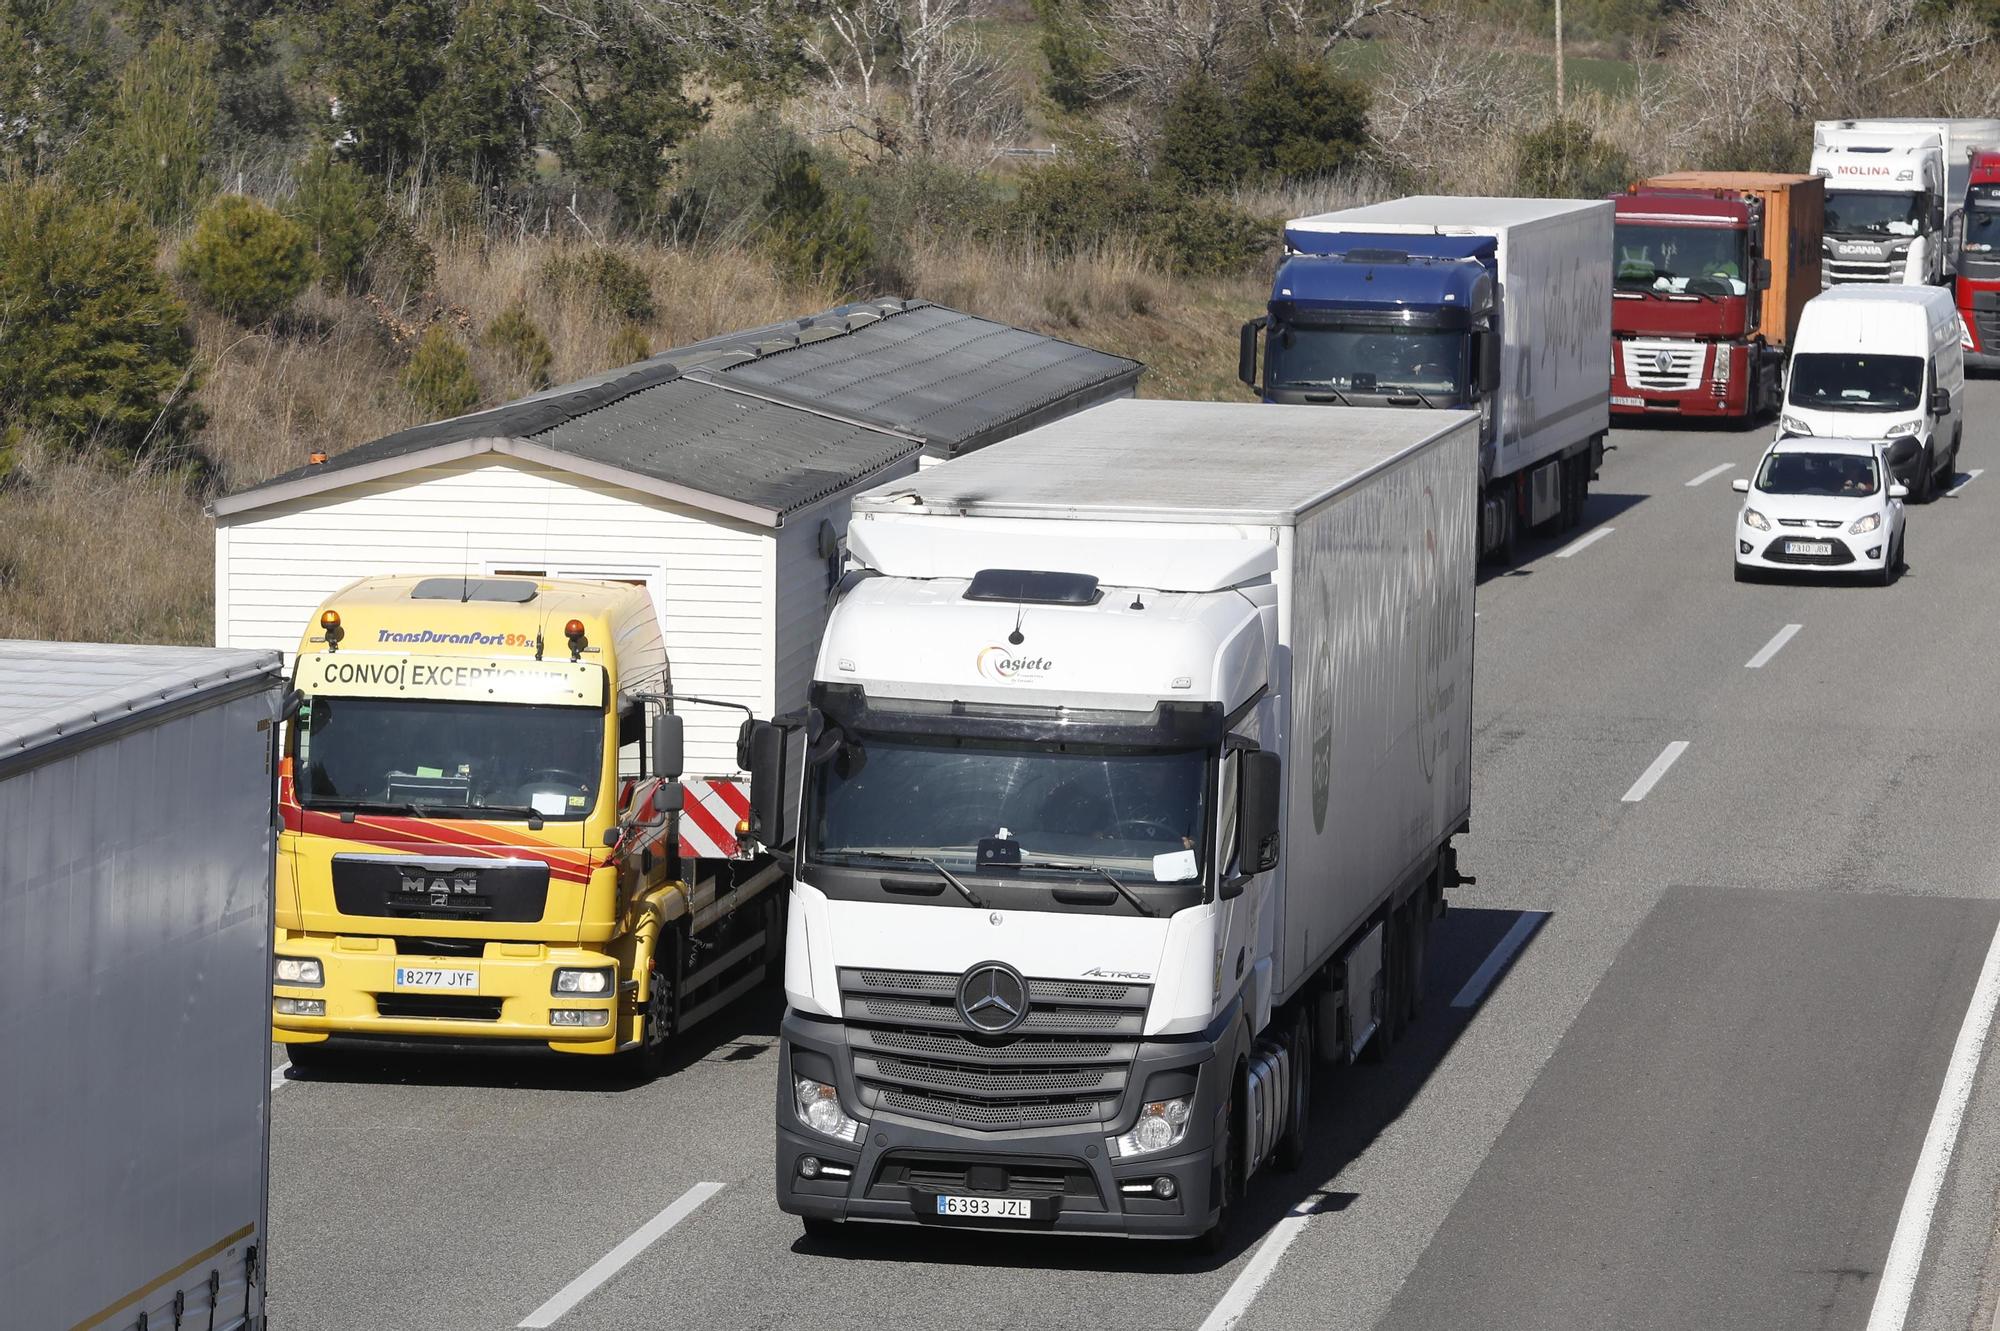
[(1681, 1060)]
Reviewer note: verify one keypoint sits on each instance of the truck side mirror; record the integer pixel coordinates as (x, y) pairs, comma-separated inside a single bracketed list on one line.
[(669, 746), (1259, 801), (1760, 275), (1486, 350), (1246, 351), (763, 744)]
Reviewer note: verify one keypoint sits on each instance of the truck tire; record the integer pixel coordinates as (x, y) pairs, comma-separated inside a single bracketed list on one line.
[(1291, 1149), (1420, 916), (1228, 1173), (822, 1230), (1925, 489)]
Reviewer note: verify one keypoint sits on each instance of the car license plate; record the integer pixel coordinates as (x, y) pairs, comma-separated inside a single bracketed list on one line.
[(986, 1208), (434, 977), (1617, 401), (1808, 547)]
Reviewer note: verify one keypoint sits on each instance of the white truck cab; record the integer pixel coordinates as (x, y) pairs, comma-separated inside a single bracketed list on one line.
[(1882, 362), (1894, 185)]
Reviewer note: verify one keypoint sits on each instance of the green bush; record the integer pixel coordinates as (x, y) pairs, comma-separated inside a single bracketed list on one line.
[(1201, 138), (629, 346), (154, 146), (814, 232), (725, 174), (247, 260), (1205, 234), (401, 266), (603, 278), (1565, 160), (343, 212), (93, 342), (520, 345), (1081, 202), (1071, 52), (1299, 121), (439, 376)]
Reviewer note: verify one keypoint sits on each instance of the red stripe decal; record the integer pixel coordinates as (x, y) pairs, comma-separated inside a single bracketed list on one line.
[(733, 795), (706, 824)]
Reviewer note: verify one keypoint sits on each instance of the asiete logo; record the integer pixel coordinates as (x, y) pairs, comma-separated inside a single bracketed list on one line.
[(1002, 666)]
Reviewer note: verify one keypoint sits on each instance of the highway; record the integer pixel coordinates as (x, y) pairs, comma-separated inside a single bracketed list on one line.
[(1681, 1058)]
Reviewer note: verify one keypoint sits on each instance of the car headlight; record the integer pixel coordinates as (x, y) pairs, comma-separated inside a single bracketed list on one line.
[(819, 1109), (1752, 518), (1901, 428), (303, 971), (1793, 425), (588, 983), (1865, 523), (1162, 1124)]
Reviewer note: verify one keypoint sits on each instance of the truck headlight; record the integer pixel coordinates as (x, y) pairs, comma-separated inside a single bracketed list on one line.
[(1793, 425), (819, 1109), (301, 1007), (1867, 522), (1162, 1124), (588, 983), (1901, 251), (1752, 518), (1901, 428), (303, 971)]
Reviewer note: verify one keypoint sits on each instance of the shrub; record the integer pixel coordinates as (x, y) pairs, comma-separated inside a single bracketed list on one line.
[(401, 266), (1201, 138), (1565, 160), (814, 232), (154, 146), (247, 260), (603, 278), (629, 346), (520, 345), (343, 213), (1299, 121), (725, 174), (439, 376), (1211, 235), (1078, 202), (93, 342)]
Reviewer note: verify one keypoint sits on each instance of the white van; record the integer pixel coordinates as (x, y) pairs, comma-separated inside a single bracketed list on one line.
[(1882, 362)]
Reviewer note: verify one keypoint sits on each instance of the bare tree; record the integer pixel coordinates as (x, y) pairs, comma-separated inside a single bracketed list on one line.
[(1434, 110), (1155, 46), (1317, 26), (911, 76)]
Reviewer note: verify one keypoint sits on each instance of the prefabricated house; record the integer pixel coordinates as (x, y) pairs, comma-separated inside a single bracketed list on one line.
[(716, 475)]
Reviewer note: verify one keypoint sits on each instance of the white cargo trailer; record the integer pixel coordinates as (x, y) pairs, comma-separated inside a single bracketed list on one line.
[(135, 898), (1498, 305), (1144, 736)]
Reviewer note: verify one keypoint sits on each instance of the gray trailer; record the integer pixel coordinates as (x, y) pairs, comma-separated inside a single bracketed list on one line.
[(136, 848)]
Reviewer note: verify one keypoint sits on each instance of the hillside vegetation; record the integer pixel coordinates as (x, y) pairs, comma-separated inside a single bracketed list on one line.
[(234, 233)]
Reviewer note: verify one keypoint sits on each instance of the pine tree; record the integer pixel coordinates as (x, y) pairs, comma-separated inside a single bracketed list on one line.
[(154, 148), (247, 260), (439, 376)]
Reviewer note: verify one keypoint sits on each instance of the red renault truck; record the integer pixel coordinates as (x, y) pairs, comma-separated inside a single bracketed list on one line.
[(1712, 269), (1978, 279)]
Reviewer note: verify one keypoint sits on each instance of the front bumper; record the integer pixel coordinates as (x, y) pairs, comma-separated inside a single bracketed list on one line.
[(1867, 553), (1069, 1176), (509, 1005)]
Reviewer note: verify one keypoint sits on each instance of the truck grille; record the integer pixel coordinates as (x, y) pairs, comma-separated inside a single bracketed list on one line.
[(1069, 1062), (1664, 367), (1834, 271), (1006, 1176)]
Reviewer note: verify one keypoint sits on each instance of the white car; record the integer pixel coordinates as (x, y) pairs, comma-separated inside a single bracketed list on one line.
[(1822, 506)]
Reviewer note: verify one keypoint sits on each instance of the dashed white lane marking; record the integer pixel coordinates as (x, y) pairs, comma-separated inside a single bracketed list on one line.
[(1497, 960), (1651, 776), (611, 1263), (1711, 474), (1586, 539), (1773, 647), (278, 1077), (1236, 1300), (1913, 1226), (1971, 475)]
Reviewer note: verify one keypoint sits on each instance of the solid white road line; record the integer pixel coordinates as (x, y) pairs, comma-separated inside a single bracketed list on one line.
[(1773, 647), (1584, 540), (1243, 1292), (1496, 960), (1711, 474), (1971, 475), (278, 1077), (1913, 1227), (1651, 776), (611, 1263)]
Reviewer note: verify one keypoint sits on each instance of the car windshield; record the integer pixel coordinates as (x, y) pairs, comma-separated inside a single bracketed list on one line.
[(1673, 259), (1114, 808), (1365, 360), (1827, 381), (1842, 474), (1869, 213), (449, 759)]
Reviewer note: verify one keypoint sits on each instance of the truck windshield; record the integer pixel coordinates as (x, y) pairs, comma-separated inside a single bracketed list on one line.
[(1982, 228), (1366, 360), (1673, 259), (1070, 806), (1828, 381), (1870, 213), (448, 759)]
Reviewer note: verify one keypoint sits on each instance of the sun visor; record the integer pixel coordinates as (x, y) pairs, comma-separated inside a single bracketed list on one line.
[(913, 547)]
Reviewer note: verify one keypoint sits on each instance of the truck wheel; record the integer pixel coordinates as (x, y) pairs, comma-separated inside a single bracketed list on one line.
[(822, 1230), (1925, 489), (1228, 1174), (1291, 1152), (1420, 931)]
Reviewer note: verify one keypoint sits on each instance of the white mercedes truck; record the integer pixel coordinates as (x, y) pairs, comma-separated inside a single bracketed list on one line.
[(1127, 790)]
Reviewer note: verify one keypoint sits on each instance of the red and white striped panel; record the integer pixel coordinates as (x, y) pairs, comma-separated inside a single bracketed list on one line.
[(713, 807)]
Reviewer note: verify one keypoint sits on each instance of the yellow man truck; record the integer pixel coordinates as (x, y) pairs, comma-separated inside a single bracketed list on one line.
[(487, 839)]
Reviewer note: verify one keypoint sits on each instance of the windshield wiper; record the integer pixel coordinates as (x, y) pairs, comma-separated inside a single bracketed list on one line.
[(1322, 390), (1137, 902), (338, 805), (944, 873), (533, 815), (1417, 393)]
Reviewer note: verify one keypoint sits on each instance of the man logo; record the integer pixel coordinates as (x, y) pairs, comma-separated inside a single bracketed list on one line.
[(438, 888), (993, 998)]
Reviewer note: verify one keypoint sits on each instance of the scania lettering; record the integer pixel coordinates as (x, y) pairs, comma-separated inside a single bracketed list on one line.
[(1894, 187), (1065, 952), (1501, 306), (486, 837)]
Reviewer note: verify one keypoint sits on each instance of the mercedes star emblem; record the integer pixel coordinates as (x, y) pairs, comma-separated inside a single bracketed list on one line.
[(993, 998)]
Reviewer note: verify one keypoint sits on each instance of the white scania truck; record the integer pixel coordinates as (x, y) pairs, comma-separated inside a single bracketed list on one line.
[(1894, 189), (1135, 752)]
